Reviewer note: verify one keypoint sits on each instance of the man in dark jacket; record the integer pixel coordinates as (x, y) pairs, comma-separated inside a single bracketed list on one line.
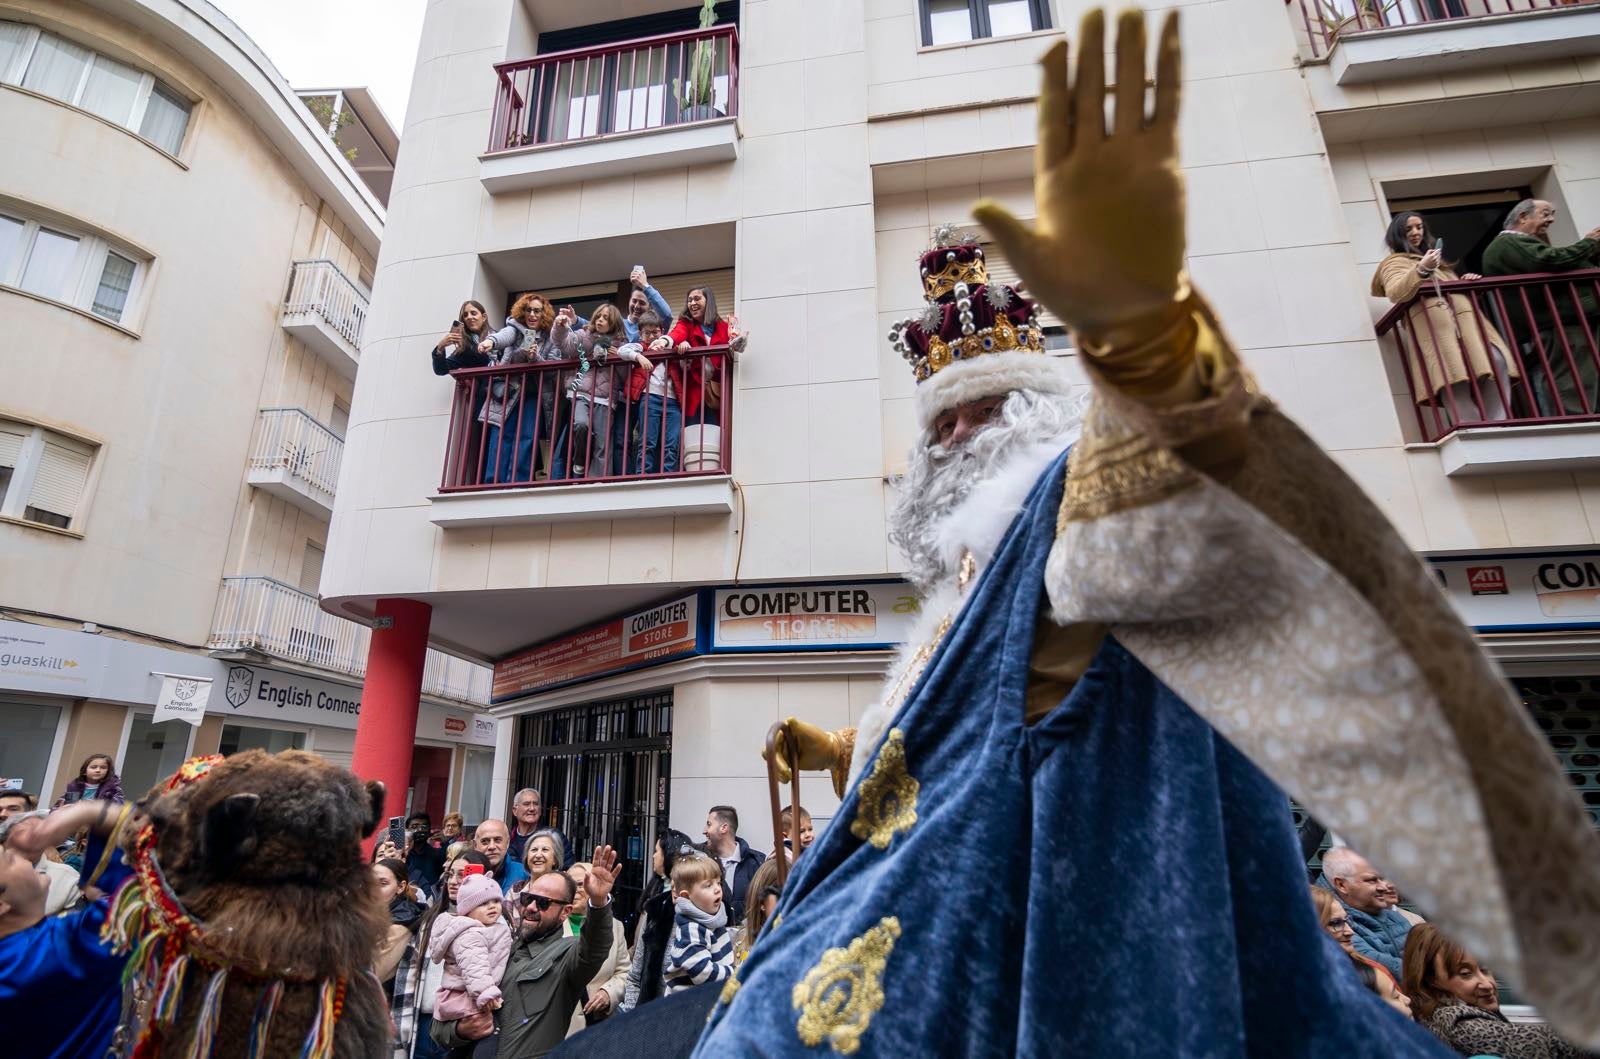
[(739, 861), (1523, 247), (548, 969)]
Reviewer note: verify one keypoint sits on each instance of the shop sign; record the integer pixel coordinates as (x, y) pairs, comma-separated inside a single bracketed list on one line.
[(51, 661), (654, 634), (182, 698), (786, 617), (1510, 592)]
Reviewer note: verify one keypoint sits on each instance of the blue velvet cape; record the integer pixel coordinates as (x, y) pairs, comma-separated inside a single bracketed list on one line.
[(1116, 880)]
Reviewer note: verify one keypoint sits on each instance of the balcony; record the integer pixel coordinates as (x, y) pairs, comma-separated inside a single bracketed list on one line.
[(296, 458), (263, 616), (620, 108), (1532, 400), (1372, 40), (326, 311), (537, 467)]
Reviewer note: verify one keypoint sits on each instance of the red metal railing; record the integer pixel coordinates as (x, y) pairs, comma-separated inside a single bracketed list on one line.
[(522, 425), (589, 93), (1328, 20), (1506, 351)]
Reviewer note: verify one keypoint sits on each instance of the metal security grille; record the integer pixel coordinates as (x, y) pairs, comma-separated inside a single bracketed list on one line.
[(603, 770), (1568, 709)]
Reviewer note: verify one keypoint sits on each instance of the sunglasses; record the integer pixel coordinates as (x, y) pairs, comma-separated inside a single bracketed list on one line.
[(539, 901)]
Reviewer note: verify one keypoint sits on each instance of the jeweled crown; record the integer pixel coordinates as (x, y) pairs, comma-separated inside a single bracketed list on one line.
[(966, 316)]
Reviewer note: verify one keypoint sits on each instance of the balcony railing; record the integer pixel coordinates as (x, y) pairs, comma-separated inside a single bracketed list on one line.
[(265, 615), (1326, 21), (318, 287), (1506, 351), (589, 93), (533, 425), (290, 441)]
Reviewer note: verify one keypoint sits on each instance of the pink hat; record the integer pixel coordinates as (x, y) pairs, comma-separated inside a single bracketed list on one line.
[(474, 891)]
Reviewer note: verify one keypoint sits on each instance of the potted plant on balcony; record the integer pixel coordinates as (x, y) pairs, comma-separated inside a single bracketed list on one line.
[(696, 92), (1336, 18)]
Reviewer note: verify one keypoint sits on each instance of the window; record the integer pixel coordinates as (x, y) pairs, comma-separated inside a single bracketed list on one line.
[(43, 475), (311, 568), (237, 737), (339, 422), (155, 751), (27, 739), (77, 268), (124, 95), (953, 21)]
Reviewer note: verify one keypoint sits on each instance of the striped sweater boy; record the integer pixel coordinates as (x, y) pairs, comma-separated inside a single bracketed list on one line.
[(701, 949)]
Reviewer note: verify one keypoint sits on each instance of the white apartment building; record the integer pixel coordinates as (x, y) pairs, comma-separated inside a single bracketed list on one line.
[(185, 258), (647, 629)]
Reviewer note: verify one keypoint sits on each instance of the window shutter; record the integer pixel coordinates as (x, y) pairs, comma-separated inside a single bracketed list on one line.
[(311, 569), (12, 435), (1002, 272), (676, 288), (58, 483)]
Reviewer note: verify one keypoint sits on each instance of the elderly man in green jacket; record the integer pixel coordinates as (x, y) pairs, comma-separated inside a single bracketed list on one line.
[(1523, 247), (548, 970)]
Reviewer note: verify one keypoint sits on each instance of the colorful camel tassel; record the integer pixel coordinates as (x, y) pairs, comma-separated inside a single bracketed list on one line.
[(319, 1040), (205, 1030), (171, 995), (261, 1021)]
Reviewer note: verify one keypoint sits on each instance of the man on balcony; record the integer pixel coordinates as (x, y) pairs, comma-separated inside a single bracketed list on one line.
[(625, 417), (1562, 316)]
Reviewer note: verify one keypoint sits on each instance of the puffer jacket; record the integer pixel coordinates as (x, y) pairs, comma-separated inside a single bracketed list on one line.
[(474, 956), (605, 377), (516, 343), (1474, 1031)]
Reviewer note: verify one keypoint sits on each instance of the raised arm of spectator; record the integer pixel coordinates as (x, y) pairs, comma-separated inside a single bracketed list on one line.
[(594, 941), (1531, 255), (504, 338)]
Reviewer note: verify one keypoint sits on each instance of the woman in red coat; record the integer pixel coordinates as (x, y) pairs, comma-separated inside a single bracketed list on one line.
[(699, 381)]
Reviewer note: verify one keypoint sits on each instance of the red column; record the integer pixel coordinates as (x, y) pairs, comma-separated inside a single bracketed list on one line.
[(387, 731)]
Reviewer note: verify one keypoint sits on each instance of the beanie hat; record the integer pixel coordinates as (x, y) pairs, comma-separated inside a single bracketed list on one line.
[(974, 338), (475, 889)]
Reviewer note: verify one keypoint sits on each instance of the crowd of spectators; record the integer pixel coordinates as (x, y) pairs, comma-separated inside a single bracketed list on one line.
[(1416, 970), (619, 404)]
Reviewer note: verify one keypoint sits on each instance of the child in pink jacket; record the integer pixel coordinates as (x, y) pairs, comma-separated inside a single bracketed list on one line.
[(474, 946)]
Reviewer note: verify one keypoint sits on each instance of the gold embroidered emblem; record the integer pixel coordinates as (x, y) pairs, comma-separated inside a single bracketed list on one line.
[(838, 997), (886, 802)]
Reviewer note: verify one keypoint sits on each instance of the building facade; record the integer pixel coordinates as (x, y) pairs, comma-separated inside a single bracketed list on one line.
[(185, 256), (794, 156)]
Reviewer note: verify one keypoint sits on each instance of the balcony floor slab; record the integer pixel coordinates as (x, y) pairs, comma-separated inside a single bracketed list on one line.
[(1511, 450), (711, 495), (619, 154), (319, 336), (285, 485), (1453, 45)]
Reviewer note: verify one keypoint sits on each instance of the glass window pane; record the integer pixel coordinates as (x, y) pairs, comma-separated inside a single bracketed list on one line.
[(27, 733), (477, 779), (1009, 16), (111, 90), (165, 118), (154, 752), (10, 243), (56, 67), (949, 21), (49, 268), (13, 38), (237, 737), (116, 280)]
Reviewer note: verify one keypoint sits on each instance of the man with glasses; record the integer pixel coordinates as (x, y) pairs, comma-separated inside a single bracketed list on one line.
[(549, 968), (1380, 930)]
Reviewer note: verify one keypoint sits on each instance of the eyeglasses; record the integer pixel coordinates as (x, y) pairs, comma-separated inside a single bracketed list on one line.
[(1339, 923)]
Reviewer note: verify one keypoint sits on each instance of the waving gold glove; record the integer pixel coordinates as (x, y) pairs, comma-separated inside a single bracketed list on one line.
[(1106, 253)]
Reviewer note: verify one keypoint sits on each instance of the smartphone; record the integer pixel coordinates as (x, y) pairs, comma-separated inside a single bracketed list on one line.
[(455, 323), (397, 831), (1438, 244)]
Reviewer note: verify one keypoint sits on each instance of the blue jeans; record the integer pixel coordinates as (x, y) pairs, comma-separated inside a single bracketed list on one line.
[(661, 454), (424, 1048), (508, 450)]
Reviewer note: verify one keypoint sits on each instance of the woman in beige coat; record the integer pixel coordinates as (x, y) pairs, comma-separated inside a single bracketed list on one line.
[(605, 989), (1445, 332)]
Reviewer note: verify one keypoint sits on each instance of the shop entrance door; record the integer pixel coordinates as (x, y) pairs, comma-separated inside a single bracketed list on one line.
[(602, 771)]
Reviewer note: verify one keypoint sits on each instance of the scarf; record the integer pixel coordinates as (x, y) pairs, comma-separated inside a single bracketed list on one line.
[(689, 910), (406, 912)]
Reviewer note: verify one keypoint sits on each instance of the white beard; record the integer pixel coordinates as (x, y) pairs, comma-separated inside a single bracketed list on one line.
[(977, 523)]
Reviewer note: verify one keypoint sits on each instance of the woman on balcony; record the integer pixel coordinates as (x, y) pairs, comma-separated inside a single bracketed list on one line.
[(514, 425), (1443, 333), (699, 380)]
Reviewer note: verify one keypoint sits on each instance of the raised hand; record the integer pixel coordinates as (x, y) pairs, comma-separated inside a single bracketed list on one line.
[(1106, 251), (602, 876)]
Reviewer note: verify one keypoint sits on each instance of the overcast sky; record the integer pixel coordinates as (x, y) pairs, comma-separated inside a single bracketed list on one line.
[(338, 43)]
